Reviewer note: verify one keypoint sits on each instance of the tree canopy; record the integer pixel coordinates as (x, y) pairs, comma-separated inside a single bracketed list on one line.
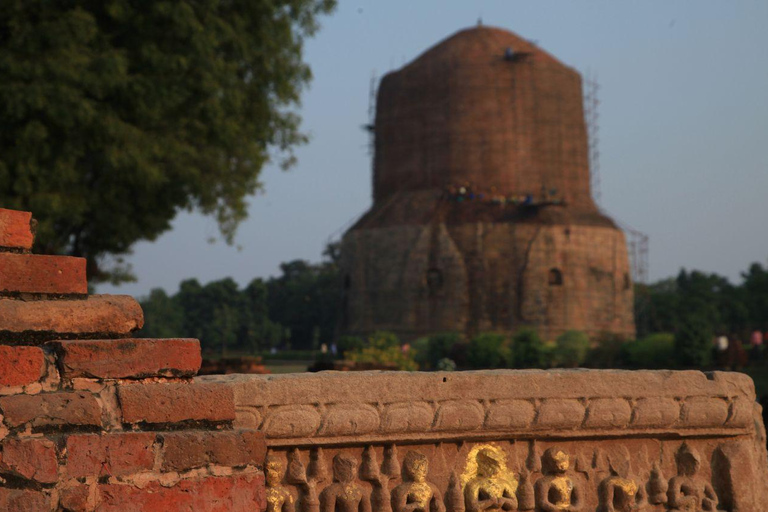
[(118, 114)]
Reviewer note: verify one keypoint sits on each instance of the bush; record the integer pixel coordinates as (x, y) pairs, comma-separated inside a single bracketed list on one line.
[(488, 350), (435, 348), (608, 353), (384, 349), (571, 349), (349, 344), (446, 365), (655, 351), (527, 349)]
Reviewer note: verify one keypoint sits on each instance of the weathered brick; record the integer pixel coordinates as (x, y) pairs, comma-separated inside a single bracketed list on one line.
[(129, 358), (34, 459), (103, 315), (117, 454), (174, 402), (20, 366), (75, 498), (188, 450), (16, 229), (36, 273), (51, 409), (242, 493), (22, 500)]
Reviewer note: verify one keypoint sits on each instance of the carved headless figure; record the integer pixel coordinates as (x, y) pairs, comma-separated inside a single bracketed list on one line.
[(687, 491), (344, 495), (279, 498), (556, 492), (619, 492), (491, 489), (415, 494)]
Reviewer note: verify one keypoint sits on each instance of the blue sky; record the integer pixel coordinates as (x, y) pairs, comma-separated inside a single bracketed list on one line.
[(683, 130)]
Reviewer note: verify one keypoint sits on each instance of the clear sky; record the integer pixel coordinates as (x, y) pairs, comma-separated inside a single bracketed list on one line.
[(683, 130)]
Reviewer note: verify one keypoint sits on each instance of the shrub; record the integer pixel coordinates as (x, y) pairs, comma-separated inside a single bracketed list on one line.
[(384, 349), (608, 353), (349, 344), (655, 351), (527, 349), (446, 365), (571, 349), (488, 350)]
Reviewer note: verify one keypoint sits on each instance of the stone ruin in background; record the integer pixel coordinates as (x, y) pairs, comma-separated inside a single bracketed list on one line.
[(92, 419)]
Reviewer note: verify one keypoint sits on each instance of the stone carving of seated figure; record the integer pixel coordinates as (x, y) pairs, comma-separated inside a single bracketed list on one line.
[(279, 498), (492, 488), (344, 495), (619, 492), (556, 491), (415, 494), (689, 492)]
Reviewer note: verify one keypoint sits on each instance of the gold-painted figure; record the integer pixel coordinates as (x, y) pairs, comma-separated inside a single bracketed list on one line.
[(492, 488), (556, 491), (415, 494), (689, 492), (344, 495), (619, 492), (279, 498)]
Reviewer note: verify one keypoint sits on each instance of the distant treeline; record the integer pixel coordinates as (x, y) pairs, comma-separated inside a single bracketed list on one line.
[(296, 310), (299, 309)]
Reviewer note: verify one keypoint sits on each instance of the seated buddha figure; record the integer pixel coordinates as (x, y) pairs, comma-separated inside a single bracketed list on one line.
[(619, 492), (492, 488), (344, 494), (415, 494), (279, 498), (688, 491), (556, 491)]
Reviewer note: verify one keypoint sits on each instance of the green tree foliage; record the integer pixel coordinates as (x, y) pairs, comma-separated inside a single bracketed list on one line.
[(218, 314), (571, 349), (488, 350), (756, 296), (305, 298), (383, 348), (693, 341), (655, 351), (117, 114), (163, 316), (528, 351)]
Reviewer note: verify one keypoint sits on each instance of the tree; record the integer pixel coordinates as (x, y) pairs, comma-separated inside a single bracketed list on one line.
[(163, 316), (118, 114)]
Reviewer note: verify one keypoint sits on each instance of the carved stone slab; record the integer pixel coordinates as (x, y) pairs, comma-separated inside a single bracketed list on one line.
[(601, 441)]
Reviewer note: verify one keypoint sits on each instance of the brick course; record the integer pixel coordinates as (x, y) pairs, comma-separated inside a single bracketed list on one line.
[(33, 459), (16, 229), (76, 408), (129, 358), (20, 366), (35, 273), (188, 450), (176, 402), (116, 454)]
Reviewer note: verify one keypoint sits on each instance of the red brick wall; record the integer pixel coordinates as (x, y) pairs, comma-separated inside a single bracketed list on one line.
[(113, 423)]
